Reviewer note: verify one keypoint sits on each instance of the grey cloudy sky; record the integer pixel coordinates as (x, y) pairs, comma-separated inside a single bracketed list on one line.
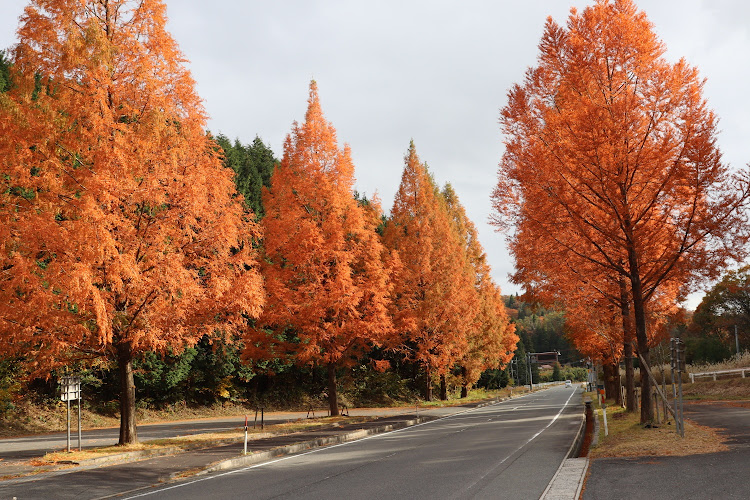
[(433, 71)]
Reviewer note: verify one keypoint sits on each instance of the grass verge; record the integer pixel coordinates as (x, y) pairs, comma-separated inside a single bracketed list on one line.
[(195, 441), (39, 418), (629, 438), (727, 389)]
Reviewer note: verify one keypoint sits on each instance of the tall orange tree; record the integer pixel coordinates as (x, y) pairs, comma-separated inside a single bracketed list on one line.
[(432, 287), (490, 335), (611, 154), (121, 230), (324, 265)]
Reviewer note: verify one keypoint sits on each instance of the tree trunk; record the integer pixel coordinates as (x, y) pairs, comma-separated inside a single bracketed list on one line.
[(128, 430), (639, 310), (443, 388), (627, 330), (612, 381), (427, 384), (465, 384), (607, 369), (333, 399)]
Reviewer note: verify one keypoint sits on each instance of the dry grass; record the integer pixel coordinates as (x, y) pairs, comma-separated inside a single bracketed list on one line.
[(628, 438), (474, 396), (661, 368), (738, 361), (30, 418), (201, 440), (728, 389)]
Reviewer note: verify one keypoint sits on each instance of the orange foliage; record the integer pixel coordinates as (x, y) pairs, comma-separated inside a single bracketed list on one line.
[(611, 166), (490, 336), (433, 288), (325, 266), (121, 233)]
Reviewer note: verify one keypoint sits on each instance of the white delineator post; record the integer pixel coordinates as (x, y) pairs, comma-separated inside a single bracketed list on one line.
[(245, 450)]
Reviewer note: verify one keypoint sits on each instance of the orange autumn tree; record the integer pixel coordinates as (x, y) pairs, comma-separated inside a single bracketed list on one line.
[(594, 327), (122, 233), (324, 266), (611, 155), (555, 276), (490, 336), (433, 290)]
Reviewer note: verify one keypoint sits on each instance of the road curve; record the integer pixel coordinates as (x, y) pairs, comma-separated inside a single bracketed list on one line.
[(506, 450)]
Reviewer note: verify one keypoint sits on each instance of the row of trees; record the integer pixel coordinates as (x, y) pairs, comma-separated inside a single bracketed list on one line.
[(341, 278), (613, 185), (122, 232)]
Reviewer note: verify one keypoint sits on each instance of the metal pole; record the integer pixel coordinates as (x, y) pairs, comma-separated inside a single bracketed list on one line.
[(680, 367), (528, 369), (736, 341), (673, 365), (79, 421), (67, 414)]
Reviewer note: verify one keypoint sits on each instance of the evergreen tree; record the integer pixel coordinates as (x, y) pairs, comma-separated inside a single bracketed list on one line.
[(253, 165), (4, 72)]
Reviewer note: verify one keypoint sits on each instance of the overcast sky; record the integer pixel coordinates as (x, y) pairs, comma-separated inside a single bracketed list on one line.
[(433, 71)]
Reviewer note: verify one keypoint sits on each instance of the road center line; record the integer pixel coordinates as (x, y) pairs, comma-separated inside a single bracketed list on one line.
[(524, 444), (317, 450)]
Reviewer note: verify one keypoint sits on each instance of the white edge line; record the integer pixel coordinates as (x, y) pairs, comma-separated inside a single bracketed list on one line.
[(581, 428), (524, 444), (324, 448)]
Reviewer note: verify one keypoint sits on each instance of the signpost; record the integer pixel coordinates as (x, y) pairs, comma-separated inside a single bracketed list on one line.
[(677, 351), (70, 390)]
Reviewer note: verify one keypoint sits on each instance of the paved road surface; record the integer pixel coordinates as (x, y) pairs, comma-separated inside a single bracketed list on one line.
[(507, 450)]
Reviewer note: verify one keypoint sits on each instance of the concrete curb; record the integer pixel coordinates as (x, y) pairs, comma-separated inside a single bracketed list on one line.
[(568, 480), (575, 448), (263, 456)]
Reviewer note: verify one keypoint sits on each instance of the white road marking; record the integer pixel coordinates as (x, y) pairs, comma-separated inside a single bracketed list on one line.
[(523, 445), (326, 448)]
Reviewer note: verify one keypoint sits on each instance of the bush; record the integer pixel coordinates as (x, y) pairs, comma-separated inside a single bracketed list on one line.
[(493, 379)]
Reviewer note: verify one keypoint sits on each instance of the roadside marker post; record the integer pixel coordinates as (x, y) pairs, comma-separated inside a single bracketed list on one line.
[(245, 450), (680, 349)]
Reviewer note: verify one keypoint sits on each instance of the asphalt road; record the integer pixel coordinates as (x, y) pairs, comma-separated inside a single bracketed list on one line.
[(506, 450)]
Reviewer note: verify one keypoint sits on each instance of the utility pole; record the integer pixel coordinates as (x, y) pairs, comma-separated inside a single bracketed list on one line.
[(528, 369), (736, 340)]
